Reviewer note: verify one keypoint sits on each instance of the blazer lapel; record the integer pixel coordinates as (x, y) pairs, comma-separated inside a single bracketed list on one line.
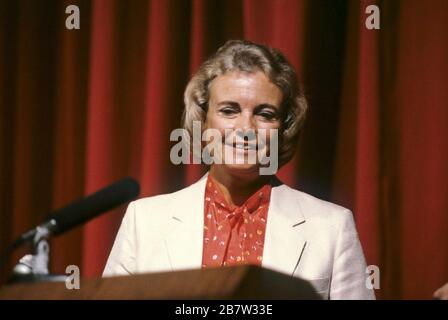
[(185, 239), (285, 241)]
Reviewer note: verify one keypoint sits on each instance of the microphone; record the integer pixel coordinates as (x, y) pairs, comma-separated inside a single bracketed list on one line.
[(81, 211)]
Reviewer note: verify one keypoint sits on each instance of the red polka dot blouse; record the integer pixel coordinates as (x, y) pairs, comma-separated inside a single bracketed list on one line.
[(234, 234)]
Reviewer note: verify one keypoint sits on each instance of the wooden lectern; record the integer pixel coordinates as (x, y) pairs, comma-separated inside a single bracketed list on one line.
[(242, 282)]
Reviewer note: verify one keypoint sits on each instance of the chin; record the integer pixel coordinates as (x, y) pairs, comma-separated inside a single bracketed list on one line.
[(243, 169)]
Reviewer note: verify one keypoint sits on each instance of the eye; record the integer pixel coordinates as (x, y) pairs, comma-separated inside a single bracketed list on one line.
[(228, 111), (268, 115)]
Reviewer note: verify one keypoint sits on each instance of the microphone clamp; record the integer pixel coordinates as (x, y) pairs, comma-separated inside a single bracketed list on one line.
[(37, 263)]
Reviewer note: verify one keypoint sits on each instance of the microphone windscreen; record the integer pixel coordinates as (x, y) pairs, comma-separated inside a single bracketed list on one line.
[(93, 205)]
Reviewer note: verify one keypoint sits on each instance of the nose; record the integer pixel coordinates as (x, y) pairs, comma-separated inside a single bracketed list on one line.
[(245, 128), (246, 122)]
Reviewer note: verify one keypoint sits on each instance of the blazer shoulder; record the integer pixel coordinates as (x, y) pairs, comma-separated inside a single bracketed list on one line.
[(313, 207), (158, 201), (163, 203)]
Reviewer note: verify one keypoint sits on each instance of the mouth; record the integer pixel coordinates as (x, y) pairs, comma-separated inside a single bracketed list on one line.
[(243, 146)]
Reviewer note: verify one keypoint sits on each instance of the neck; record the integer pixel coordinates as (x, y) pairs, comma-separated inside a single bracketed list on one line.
[(237, 187)]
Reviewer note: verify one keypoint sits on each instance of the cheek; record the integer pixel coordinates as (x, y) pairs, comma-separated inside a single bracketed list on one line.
[(209, 122), (268, 126), (270, 136), (213, 121)]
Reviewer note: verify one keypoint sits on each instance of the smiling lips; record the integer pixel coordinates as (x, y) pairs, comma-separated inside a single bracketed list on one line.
[(243, 146)]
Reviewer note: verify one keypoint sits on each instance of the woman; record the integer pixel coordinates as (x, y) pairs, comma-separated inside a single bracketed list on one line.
[(235, 215)]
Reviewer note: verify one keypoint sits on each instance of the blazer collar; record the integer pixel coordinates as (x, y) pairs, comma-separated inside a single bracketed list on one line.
[(284, 240)]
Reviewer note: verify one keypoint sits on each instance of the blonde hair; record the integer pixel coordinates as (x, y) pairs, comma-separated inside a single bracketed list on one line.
[(241, 55)]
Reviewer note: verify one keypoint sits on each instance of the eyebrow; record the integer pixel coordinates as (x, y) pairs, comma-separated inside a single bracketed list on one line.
[(260, 106), (232, 103)]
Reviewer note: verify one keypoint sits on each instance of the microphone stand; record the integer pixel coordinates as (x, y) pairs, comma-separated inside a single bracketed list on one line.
[(34, 268)]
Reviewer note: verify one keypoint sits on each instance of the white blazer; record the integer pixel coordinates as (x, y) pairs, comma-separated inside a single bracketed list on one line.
[(305, 237)]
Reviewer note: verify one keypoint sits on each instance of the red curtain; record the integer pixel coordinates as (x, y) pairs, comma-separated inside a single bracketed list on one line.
[(83, 108)]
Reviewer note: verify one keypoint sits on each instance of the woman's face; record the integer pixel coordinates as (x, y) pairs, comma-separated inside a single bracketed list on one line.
[(243, 102)]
